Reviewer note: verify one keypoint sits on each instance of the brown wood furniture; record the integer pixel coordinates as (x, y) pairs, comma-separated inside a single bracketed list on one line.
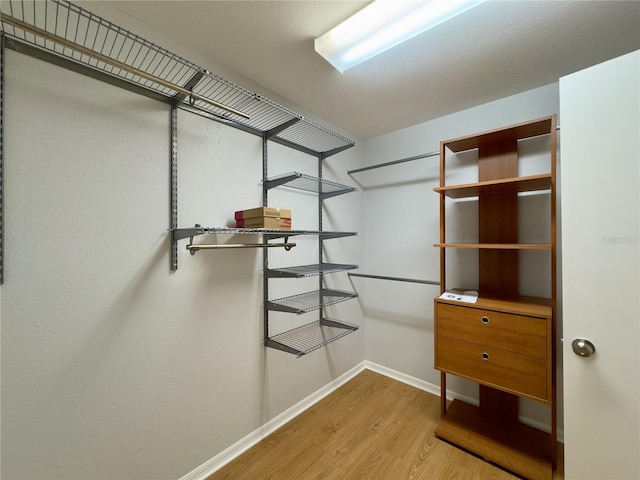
[(505, 341)]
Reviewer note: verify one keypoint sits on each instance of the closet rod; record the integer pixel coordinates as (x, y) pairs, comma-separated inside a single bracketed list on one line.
[(396, 279), (111, 61), (402, 160), (194, 248), (394, 162)]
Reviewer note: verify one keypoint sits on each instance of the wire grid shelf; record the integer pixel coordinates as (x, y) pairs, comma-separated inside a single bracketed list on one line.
[(309, 301), (75, 33), (301, 181), (310, 337), (263, 113), (267, 233), (72, 32), (314, 136), (309, 270)]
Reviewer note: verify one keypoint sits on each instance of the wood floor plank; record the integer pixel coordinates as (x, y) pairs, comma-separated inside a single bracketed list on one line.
[(371, 428)]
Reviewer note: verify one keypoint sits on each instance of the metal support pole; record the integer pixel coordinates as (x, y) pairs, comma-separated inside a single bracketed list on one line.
[(193, 248), (395, 279), (394, 162)]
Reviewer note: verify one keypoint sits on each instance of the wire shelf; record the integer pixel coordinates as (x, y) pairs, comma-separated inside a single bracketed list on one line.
[(301, 181), (308, 270), (71, 32), (268, 234), (309, 301), (310, 337), (315, 137)]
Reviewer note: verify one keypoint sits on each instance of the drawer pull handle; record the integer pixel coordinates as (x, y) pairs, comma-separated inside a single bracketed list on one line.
[(484, 319), (485, 356)]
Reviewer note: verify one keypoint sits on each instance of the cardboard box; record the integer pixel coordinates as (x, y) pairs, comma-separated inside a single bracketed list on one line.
[(263, 212), (264, 222)]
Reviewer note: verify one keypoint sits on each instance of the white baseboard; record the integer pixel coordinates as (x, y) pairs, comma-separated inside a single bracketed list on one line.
[(416, 382), (435, 390), (214, 464), (403, 377), (244, 444)]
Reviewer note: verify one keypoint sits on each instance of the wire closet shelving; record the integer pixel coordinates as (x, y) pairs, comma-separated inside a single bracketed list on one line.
[(72, 37), (82, 40)]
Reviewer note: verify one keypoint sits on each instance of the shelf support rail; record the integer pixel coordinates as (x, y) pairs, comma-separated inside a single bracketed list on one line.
[(395, 279), (395, 162), (2, 53)]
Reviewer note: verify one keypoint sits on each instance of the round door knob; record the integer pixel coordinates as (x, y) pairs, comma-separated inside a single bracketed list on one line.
[(583, 348)]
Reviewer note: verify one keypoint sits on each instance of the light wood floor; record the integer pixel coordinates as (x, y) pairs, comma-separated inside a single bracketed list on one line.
[(373, 427)]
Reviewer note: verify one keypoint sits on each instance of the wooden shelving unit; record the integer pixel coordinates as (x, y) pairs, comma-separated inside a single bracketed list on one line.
[(504, 341)]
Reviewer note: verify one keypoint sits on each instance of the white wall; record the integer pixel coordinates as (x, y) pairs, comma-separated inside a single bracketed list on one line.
[(112, 365), (401, 225)]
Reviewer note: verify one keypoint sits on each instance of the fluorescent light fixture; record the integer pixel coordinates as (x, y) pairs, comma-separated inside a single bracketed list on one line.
[(384, 24)]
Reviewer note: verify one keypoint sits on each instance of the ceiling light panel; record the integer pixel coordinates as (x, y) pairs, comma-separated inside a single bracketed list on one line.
[(381, 25)]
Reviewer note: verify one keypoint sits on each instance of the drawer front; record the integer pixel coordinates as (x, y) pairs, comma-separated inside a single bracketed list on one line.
[(509, 371), (512, 332)]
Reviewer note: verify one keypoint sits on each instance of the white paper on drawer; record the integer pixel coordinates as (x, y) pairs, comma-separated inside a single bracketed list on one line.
[(468, 296)]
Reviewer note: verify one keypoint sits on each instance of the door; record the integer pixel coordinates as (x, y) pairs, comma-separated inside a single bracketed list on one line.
[(600, 205)]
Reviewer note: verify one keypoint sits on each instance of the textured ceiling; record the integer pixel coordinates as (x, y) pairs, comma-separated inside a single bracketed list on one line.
[(494, 50)]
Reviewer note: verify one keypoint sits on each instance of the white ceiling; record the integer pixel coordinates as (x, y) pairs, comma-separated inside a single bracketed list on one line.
[(494, 50)]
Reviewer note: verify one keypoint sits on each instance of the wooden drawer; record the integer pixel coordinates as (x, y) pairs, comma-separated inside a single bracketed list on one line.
[(509, 371), (516, 333)]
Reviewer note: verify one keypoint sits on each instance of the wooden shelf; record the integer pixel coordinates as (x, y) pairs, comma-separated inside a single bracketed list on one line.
[(497, 246), (519, 131), (521, 305), (517, 447), (493, 187)]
